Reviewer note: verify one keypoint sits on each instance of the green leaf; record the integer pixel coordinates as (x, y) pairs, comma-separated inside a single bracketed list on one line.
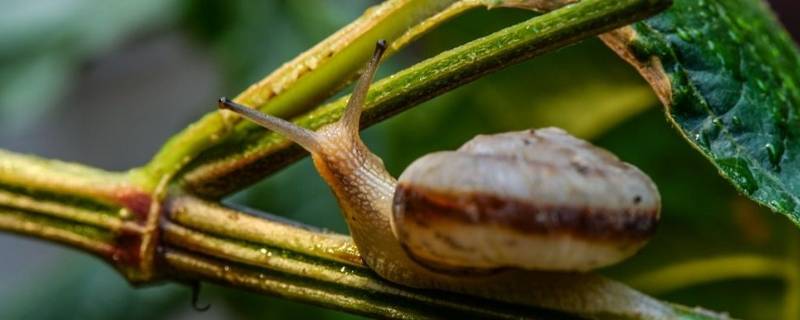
[(733, 76), (734, 244)]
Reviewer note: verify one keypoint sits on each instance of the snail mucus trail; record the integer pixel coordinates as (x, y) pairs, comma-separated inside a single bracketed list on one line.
[(502, 204)]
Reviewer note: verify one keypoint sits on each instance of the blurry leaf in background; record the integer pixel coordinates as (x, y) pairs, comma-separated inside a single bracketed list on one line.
[(45, 41), (252, 38)]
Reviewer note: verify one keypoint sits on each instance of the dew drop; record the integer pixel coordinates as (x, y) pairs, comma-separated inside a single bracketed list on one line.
[(774, 52), (738, 170), (782, 97), (685, 35), (736, 122), (774, 153), (695, 34), (717, 123), (227, 268), (312, 63), (776, 205), (124, 213), (711, 45), (734, 36), (742, 23), (263, 250), (761, 85), (702, 139), (782, 203)]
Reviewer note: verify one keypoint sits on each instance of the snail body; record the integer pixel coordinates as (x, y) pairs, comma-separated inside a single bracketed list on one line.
[(499, 205)]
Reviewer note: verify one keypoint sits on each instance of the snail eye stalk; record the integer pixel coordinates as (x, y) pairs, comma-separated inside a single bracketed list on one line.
[(355, 105), (307, 139)]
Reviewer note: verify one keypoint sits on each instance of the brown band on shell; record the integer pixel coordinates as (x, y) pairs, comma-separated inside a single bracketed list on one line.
[(426, 207)]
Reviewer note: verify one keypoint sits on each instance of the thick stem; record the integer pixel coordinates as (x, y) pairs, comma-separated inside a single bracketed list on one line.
[(262, 230), (203, 241), (97, 211), (86, 238), (37, 175), (269, 260), (365, 302), (219, 255)]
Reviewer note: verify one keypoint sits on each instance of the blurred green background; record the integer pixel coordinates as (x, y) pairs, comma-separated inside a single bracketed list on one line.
[(105, 83)]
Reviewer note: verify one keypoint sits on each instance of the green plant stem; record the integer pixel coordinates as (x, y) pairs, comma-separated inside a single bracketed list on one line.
[(320, 72), (39, 175), (227, 258), (269, 260), (709, 270), (201, 240), (360, 302), (233, 166), (85, 238), (104, 213), (92, 217), (214, 219), (193, 266), (299, 84)]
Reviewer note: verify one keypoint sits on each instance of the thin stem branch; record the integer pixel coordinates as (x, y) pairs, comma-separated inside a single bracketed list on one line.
[(320, 72), (230, 167), (709, 270), (300, 84)]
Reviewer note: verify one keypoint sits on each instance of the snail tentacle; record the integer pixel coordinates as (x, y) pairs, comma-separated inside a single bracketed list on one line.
[(352, 114), (307, 139), (310, 140)]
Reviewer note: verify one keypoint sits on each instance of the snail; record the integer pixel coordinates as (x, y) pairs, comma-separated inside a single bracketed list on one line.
[(474, 220)]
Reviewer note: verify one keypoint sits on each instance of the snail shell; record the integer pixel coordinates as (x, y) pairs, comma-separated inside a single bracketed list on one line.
[(535, 199)]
